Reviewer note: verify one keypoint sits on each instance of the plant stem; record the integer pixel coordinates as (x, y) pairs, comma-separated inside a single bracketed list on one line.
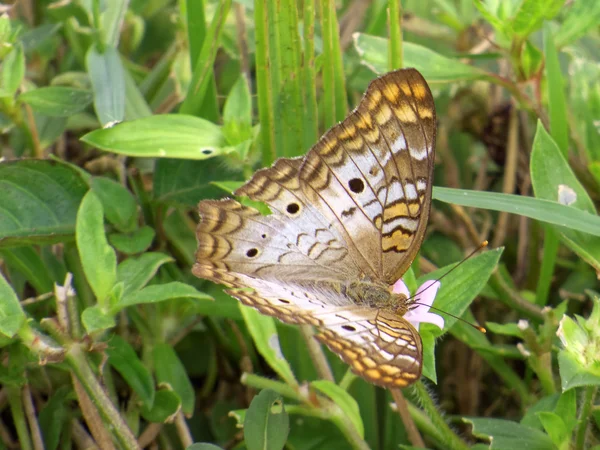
[(589, 394), (259, 382), (512, 299), (402, 406), (447, 436), (316, 354), (18, 417), (80, 366)]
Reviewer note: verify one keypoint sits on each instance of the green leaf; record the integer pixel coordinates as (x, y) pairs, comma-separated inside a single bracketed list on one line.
[(573, 374), (428, 341), (166, 404), (237, 113), (95, 318), (12, 316), (506, 329), (169, 135), (263, 331), (434, 67), (459, 289), (566, 407), (136, 272), (555, 427), (98, 259), (28, 262), (39, 201), (57, 101), (108, 83), (555, 88), (159, 293), (119, 205), (507, 435), (580, 18), (344, 400), (532, 13), (13, 71), (125, 361), (546, 211), (266, 426), (182, 182), (552, 178), (134, 242), (54, 416), (170, 370)]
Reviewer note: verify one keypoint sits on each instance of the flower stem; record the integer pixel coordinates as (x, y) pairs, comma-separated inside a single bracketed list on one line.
[(446, 435)]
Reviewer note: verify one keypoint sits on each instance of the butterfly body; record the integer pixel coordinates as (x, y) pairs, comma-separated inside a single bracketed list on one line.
[(346, 222)]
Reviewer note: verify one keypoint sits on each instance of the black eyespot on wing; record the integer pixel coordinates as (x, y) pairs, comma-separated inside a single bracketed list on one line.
[(283, 300), (356, 185), (207, 151), (348, 328), (293, 208), (264, 236), (252, 253)]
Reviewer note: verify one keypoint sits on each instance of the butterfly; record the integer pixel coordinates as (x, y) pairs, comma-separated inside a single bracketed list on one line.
[(346, 222)]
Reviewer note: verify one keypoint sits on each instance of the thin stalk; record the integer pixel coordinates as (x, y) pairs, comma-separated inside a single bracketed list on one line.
[(402, 406), (81, 369), (316, 354), (347, 380), (589, 394), (450, 439), (395, 55), (18, 417), (513, 300), (34, 426), (259, 382)]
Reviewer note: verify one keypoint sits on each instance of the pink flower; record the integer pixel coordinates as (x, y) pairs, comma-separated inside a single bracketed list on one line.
[(424, 297)]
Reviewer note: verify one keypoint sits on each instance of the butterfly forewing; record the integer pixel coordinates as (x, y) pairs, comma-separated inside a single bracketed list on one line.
[(354, 209)]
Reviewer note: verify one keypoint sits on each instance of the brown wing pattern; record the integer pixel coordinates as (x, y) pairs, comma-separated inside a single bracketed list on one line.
[(371, 175)]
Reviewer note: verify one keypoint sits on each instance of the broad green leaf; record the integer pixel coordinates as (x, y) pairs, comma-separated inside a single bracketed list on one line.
[(263, 331), (125, 361), (181, 182), (39, 201), (344, 400), (28, 262), (555, 427), (572, 374), (98, 259), (566, 407), (13, 71), (11, 313), (134, 242), (57, 101), (95, 318), (166, 404), (532, 13), (507, 435), (108, 84), (546, 211), (159, 293), (136, 272), (555, 88), (237, 113), (580, 18), (170, 370), (434, 67), (459, 289), (553, 179), (266, 425), (456, 293), (164, 136), (118, 203)]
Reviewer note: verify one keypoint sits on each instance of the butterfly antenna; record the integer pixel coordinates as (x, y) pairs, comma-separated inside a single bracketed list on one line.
[(477, 327)]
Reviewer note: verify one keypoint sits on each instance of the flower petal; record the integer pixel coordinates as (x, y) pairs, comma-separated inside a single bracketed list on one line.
[(400, 288)]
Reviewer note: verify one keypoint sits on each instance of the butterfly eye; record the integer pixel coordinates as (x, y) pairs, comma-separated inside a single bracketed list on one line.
[(348, 328), (356, 185), (252, 253), (293, 208)]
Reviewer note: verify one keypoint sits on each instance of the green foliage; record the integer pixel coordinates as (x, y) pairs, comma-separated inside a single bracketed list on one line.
[(117, 119)]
